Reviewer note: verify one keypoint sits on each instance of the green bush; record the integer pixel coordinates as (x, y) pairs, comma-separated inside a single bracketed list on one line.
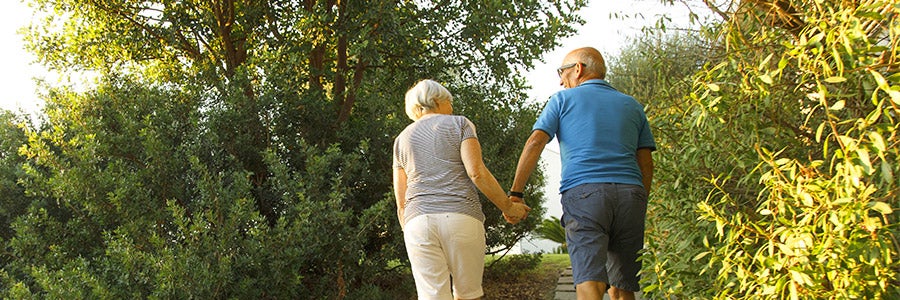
[(782, 144)]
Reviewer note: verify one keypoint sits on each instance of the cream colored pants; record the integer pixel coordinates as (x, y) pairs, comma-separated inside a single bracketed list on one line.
[(445, 246)]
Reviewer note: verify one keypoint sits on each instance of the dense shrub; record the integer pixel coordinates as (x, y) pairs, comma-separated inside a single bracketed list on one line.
[(778, 153)]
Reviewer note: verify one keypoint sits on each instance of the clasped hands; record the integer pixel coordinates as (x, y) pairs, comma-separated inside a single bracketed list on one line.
[(517, 211)]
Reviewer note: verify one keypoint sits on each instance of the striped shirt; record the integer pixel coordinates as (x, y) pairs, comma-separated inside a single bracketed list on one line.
[(428, 150)]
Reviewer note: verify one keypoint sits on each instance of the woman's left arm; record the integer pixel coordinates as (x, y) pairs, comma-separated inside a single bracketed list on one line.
[(400, 192), (470, 151)]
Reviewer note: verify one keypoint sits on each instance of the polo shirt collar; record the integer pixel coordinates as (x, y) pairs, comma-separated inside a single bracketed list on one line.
[(596, 81)]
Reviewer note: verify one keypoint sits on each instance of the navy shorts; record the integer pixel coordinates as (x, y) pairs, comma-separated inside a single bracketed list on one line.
[(605, 231)]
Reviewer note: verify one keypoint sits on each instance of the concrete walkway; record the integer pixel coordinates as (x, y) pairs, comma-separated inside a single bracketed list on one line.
[(565, 288)]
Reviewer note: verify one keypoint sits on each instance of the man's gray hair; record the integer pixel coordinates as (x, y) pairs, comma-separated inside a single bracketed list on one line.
[(424, 96)]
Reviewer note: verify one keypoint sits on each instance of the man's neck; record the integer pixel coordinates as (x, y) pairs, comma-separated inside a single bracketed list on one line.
[(585, 79)]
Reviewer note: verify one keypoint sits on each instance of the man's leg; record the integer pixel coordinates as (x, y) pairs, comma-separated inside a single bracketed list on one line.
[(620, 294), (586, 218), (626, 241), (590, 290)]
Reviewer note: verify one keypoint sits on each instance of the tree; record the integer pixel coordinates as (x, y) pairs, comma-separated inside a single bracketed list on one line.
[(788, 138), (13, 203), (242, 149)]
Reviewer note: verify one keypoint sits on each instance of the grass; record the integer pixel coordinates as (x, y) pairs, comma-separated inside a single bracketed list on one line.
[(556, 260)]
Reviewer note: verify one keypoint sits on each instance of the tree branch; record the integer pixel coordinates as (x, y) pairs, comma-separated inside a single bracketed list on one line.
[(716, 10)]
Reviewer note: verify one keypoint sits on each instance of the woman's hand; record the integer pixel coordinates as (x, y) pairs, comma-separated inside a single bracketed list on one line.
[(516, 212)]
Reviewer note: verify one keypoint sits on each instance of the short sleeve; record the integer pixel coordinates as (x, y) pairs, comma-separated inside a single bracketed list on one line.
[(398, 161), (467, 130), (645, 138), (548, 120)]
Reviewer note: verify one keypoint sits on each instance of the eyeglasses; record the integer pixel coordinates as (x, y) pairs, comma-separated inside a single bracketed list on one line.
[(560, 70)]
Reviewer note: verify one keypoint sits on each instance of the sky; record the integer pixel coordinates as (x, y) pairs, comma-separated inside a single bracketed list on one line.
[(16, 69), (602, 31)]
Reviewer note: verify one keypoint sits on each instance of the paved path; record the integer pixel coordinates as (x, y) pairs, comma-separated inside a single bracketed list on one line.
[(565, 289)]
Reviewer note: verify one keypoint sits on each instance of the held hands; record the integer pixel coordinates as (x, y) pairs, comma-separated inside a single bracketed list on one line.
[(517, 211)]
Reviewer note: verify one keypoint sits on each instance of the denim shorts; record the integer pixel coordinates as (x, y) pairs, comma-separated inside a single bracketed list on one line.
[(604, 232)]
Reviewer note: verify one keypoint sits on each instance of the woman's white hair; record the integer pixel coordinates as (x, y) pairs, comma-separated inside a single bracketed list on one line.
[(424, 96)]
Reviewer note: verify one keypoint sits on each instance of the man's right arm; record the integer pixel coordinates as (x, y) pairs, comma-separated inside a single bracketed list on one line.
[(529, 158), (645, 163)]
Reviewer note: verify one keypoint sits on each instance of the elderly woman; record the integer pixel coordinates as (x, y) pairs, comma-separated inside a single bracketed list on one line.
[(437, 167)]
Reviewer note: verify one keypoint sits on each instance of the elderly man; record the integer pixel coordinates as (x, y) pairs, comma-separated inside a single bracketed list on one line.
[(607, 169)]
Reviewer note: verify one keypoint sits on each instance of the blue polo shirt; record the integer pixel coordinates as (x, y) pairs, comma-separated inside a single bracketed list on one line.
[(599, 130)]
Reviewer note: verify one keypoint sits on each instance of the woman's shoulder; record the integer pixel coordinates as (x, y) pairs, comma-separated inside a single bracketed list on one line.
[(454, 118), (457, 119), (407, 130), (462, 118), (463, 121)]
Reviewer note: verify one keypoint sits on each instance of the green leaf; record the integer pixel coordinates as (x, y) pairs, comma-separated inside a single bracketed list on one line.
[(720, 228), (895, 77), (806, 198), (873, 116), (819, 131), (785, 249), (713, 87), (882, 83), (880, 207), (782, 63), (766, 78), (837, 105), (801, 278), (864, 159), (700, 256), (895, 96), (869, 15), (887, 174), (815, 39), (847, 141), (765, 61), (877, 141), (835, 79)]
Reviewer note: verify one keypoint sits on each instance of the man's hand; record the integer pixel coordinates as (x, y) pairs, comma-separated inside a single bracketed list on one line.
[(517, 212)]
